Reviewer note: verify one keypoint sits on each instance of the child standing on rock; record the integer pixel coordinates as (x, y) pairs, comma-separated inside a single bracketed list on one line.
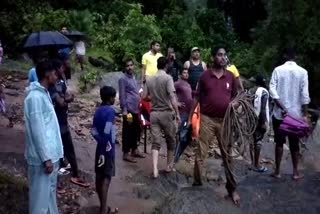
[(103, 131)]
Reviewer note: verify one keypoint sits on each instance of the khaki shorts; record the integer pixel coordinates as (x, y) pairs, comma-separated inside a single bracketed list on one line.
[(163, 122)]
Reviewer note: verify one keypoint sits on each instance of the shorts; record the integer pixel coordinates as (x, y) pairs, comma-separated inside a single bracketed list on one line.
[(80, 58), (107, 170)]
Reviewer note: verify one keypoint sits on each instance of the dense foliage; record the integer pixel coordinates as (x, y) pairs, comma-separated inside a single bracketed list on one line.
[(254, 31)]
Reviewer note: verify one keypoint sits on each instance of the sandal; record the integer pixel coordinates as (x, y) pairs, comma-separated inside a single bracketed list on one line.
[(79, 182), (262, 169), (116, 210), (138, 155), (130, 160), (62, 171)]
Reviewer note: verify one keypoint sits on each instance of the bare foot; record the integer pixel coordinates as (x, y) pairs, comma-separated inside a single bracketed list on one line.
[(170, 169), (275, 175), (235, 198), (155, 173), (297, 177)]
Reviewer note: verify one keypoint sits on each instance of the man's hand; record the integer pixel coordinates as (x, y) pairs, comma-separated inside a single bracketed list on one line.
[(124, 115), (48, 167), (180, 105), (101, 161)]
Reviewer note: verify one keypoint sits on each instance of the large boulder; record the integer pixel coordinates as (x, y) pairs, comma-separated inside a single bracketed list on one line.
[(111, 79)]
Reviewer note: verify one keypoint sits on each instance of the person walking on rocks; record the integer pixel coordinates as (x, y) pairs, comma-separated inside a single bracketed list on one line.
[(104, 132), (129, 102), (149, 61), (216, 89), (159, 89), (61, 99), (289, 90), (195, 67), (43, 142)]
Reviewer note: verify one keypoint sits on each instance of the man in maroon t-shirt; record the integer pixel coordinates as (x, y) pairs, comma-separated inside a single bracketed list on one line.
[(216, 89)]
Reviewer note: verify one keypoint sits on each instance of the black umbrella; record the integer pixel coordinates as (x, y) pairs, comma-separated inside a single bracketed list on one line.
[(75, 35), (46, 39)]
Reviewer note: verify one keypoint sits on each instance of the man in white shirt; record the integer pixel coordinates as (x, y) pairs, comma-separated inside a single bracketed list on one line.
[(80, 49), (289, 90)]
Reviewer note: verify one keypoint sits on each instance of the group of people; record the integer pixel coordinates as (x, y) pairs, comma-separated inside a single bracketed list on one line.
[(174, 99)]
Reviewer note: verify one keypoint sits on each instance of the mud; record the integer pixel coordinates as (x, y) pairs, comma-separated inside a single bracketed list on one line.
[(134, 192)]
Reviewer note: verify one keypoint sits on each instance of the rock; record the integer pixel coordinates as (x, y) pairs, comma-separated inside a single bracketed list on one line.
[(81, 201), (101, 62), (111, 79), (12, 93), (9, 77)]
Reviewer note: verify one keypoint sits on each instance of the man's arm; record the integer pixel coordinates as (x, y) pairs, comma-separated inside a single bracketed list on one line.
[(186, 65), (57, 99), (143, 70), (173, 97), (273, 91), (122, 96), (145, 93), (204, 65), (37, 128), (263, 113), (305, 98)]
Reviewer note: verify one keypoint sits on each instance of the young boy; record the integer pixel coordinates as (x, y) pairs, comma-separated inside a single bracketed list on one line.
[(103, 131), (261, 107)]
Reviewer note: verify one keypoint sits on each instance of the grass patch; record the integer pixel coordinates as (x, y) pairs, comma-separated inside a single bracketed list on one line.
[(13, 194)]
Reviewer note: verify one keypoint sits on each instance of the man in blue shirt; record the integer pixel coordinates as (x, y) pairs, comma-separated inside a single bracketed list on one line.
[(129, 102), (103, 131)]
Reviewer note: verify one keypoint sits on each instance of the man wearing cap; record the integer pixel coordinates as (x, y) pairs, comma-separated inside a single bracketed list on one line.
[(195, 67)]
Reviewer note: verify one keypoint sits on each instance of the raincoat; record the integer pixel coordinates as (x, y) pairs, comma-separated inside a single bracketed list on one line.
[(43, 142)]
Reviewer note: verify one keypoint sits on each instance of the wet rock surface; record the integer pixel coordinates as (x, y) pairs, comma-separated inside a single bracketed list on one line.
[(134, 192)]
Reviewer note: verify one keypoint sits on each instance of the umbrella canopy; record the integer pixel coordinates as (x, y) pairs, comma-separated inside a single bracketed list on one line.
[(46, 39), (75, 35)]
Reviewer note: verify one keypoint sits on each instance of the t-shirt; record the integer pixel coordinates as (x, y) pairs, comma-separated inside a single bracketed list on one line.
[(65, 53), (160, 88), (150, 61), (215, 94), (104, 130), (80, 48), (184, 94), (233, 69), (32, 75), (60, 89)]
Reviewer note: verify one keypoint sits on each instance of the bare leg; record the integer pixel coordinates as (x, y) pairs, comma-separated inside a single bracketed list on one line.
[(257, 150), (170, 158), (295, 155), (278, 156), (155, 157), (102, 187)]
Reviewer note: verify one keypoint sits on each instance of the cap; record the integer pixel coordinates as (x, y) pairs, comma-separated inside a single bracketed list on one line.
[(195, 49)]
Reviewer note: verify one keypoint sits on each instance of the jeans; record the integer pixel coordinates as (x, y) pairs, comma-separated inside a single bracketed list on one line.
[(42, 190)]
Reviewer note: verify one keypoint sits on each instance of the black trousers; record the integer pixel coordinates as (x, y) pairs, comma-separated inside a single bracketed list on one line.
[(280, 138), (130, 134), (69, 152)]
